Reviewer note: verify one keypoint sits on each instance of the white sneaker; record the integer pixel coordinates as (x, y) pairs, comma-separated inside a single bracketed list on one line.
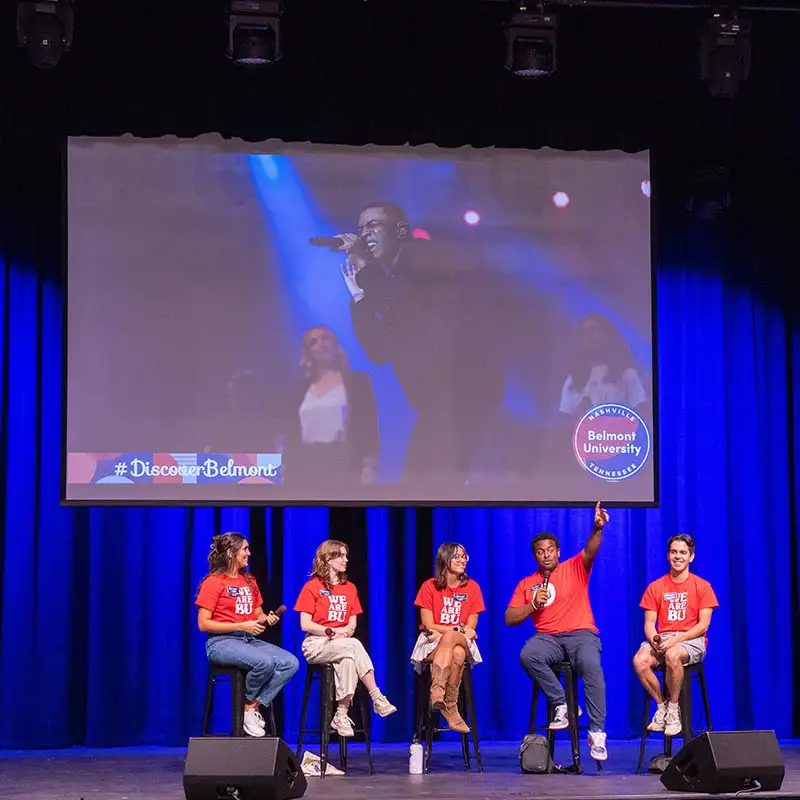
[(342, 724), (382, 707), (560, 720), (672, 723), (659, 718), (597, 745), (253, 723)]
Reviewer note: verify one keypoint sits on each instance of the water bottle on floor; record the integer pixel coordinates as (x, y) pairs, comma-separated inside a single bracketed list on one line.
[(415, 759)]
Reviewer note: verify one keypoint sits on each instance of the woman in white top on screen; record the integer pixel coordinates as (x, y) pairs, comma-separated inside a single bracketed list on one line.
[(603, 371), (332, 430)]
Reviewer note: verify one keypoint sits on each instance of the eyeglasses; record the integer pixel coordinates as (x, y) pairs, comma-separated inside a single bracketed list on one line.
[(464, 558)]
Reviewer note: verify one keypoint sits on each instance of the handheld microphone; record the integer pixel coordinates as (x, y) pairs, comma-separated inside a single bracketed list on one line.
[(329, 632), (279, 611), (545, 585), (331, 242)]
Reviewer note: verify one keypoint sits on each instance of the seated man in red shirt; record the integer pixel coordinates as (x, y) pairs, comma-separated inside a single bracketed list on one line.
[(680, 604), (556, 598)]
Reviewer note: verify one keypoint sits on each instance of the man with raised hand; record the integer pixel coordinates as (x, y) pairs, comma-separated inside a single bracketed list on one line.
[(556, 598)]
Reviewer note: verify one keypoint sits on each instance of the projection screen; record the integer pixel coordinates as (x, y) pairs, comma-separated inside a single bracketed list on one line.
[(320, 324)]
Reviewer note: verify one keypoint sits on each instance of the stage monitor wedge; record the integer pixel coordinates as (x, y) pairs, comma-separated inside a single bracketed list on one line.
[(725, 762), (242, 768)]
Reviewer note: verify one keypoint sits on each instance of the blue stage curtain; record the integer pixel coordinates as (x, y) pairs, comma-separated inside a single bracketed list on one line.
[(99, 645)]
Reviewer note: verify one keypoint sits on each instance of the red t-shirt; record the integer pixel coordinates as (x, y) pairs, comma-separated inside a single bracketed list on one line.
[(329, 607), (230, 599), (678, 604), (451, 606), (567, 608)]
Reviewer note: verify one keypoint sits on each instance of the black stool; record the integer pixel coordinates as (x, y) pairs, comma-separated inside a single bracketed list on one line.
[(327, 692), (219, 673), (569, 677), (685, 703), (425, 727)]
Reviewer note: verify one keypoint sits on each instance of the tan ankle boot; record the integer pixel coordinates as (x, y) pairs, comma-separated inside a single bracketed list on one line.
[(454, 720), (439, 676)]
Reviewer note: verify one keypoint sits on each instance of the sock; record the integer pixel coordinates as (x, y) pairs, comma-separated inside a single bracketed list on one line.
[(341, 711), (375, 693), (673, 705)]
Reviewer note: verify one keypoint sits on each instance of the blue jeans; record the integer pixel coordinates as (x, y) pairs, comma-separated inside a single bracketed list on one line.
[(582, 649), (269, 668)]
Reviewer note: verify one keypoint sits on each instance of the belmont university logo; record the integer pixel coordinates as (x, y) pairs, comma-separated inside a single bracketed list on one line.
[(611, 442)]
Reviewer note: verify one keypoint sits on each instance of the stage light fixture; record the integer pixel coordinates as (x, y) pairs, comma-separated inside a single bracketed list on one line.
[(44, 29), (725, 54), (531, 42), (709, 193), (254, 32)]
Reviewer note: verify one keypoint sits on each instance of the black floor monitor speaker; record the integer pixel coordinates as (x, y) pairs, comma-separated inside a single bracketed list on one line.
[(727, 761), (233, 768)]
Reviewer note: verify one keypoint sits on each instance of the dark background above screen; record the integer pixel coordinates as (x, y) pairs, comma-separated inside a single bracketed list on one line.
[(493, 301)]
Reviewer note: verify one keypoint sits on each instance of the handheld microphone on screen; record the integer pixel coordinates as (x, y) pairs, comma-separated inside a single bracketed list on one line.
[(329, 632), (331, 242)]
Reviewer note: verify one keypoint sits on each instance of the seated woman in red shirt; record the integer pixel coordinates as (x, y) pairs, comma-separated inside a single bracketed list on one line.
[(449, 605), (230, 612), (329, 609)]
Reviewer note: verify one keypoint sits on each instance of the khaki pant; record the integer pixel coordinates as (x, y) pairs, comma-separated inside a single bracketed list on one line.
[(349, 658)]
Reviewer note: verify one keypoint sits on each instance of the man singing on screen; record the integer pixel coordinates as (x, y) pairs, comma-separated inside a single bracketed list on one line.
[(425, 310), (681, 605), (556, 599)]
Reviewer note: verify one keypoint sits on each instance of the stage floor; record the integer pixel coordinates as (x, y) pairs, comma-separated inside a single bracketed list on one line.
[(146, 773)]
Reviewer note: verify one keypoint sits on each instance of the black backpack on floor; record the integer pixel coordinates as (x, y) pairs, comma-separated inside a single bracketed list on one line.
[(534, 754)]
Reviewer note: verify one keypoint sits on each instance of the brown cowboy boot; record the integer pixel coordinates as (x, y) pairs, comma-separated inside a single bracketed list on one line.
[(454, 720), (439, 676)]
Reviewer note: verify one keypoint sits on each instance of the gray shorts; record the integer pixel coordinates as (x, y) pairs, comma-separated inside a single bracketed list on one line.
[(696, 648)]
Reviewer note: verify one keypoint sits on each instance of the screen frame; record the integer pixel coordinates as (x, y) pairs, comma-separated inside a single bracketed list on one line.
[(279, 147)]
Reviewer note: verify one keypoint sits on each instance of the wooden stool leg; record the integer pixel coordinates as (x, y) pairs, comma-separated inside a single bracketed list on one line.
[(701, 676), (303, 711), (366, 724), (686, 707), (237, 703), (534, 703), (209, 704), (327, 690), (570, 690), (429, 724), (473, 718), (643, 740)]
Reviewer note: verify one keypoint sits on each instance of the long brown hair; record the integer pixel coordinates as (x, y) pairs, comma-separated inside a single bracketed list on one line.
[(326, 552), (444, 555), (307, 363), (222, 554)]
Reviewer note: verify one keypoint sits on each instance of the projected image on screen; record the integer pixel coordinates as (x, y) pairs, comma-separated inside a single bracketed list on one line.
[(330, 324)]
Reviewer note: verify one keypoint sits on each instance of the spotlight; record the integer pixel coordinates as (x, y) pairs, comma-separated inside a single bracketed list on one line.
[(254, 32), (472, 217), (725, 54), (531, 43), (44, 29)]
